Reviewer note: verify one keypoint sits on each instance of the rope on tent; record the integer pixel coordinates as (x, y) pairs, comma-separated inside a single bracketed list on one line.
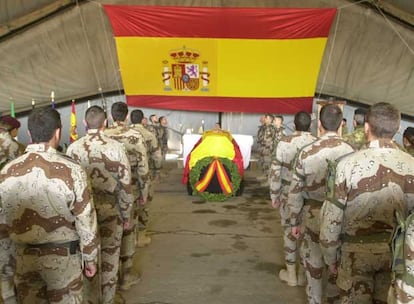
[(394, 29), (330, 53), (89, 50), (116, 71)]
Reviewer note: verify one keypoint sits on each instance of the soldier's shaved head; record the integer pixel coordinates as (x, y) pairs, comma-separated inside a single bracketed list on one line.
[(137, 116), (383, 120), (302, 121), (42, 124), (359, 116), (330, 117), (119, 111), (95, 117)]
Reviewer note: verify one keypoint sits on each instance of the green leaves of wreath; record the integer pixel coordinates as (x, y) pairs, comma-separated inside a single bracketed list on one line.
[(235, 177)]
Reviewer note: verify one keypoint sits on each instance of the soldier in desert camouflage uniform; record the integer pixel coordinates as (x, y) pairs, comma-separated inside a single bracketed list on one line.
[(9, 147), (308, 189), (137, 155), (49, 214), (408, 140), (259, 135), (265, 143), (358, 216), (163, 135), (279, 128), (357, 138), (9, 150), (402, 287), (279, 179), (106, 162), (155, 160)]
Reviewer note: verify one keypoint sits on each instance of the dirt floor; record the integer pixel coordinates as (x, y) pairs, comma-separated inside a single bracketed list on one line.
[(212, 252)]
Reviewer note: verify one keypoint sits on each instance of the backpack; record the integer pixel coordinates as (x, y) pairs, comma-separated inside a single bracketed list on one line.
[(402, 248)]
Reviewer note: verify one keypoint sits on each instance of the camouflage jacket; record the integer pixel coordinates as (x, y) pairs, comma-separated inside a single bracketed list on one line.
[(309, 177), (157, 131), (357, 139), (164, 139), (369, 185), (9, 148), (279, 133), (106, 162), (268, 136), (45, 199), (280, 174), (153, 148), (136, 149), (260, 133)]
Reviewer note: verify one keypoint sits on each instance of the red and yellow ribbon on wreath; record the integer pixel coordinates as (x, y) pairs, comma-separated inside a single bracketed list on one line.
[(216, 167)]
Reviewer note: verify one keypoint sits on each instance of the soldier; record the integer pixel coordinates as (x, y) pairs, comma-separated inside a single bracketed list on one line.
[(357, 217), (48, 213), (137, 155), (357, 138), (154, 127), (155, 160), (279, 128), (308, 189), (279, 179), (106, 162), (163, 136), (9, 150), (408, 140), (344, 126), (265, 146), (9, 147)]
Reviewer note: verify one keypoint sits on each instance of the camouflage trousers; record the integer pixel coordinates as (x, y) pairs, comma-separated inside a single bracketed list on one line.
[(400, 293), (320, 280), (49, 275), (110, 230), (128, 243), (265, 159), (7, 269), (143, 217), (290, 243), (364, 276)]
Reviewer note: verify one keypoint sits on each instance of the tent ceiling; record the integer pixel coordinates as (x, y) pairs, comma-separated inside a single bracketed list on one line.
[(67, 46)]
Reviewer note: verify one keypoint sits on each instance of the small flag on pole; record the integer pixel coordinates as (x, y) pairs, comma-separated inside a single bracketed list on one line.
[(12, 112), (73, 126), (52, 96)]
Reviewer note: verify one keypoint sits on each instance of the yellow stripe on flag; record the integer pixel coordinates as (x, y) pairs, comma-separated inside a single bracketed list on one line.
[(260, 68)]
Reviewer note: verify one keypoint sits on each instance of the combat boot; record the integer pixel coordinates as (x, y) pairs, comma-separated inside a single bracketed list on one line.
[(7, 291), (143, 239), (288, 275), (129, 279), (262, 178)]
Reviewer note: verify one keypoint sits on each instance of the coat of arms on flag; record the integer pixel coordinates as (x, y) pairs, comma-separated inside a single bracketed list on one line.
[(185, 72)]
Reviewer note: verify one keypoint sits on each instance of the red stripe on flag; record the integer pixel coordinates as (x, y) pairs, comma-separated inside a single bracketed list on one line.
[(224, 104), (220, 22), (224, 180)]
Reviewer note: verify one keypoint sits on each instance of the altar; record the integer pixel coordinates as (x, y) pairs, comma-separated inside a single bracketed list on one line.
[(245, 143)]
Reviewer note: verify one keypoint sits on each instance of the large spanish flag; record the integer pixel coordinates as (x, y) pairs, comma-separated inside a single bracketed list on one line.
[(220, 59)]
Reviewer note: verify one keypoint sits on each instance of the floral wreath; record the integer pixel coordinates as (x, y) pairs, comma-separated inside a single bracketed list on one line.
[(233, 181)]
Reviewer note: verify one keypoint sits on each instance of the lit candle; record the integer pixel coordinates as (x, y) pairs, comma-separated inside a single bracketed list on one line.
[(52, 95)]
